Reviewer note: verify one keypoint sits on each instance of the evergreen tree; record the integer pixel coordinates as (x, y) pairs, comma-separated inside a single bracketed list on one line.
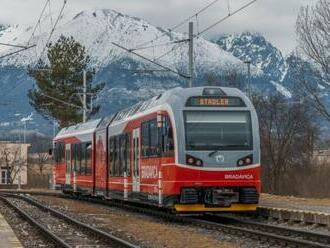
[(59, 83)]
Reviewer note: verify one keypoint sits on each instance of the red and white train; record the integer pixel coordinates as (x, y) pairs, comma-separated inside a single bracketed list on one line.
[(190, 150)]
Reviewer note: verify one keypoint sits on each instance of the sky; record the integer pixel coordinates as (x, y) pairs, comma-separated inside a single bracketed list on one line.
[(275, 19)]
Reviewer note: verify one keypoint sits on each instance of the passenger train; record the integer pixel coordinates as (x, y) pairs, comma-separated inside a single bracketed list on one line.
[(187, 150)]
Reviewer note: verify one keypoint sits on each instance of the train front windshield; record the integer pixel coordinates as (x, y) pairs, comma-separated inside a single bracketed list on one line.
[(218, 130)]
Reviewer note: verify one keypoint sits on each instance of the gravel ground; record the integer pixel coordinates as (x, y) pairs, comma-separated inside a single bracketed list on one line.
[(69, 232), (27, 235), (295, 225), (145, 230), (291, 202)]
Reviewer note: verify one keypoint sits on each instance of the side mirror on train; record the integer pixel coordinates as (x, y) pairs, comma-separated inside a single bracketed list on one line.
[(50, 152)]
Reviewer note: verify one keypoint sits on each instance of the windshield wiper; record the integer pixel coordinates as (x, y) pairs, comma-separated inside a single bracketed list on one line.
[(222, 147)]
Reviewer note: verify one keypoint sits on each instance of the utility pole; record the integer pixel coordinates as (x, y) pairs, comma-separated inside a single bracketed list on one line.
[(84, 96), (248, 63), (191, 54), (24, 134)]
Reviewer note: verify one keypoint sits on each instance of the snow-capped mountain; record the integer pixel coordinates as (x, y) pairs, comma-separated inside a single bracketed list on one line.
[(98, 29), (255, 48), (125, 85)]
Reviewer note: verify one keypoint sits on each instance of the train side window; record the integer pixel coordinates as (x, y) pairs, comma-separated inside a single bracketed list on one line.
[(145, 139), (123, 158), (73, 157), (150, 145), (88, 158), (128, 154), (167, 138), (117, 156), (59, 152), (79, 153), (153, 138), (111, 155)]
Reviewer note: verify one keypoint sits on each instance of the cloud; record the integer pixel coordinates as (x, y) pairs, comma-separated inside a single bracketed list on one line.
[(274, 19)]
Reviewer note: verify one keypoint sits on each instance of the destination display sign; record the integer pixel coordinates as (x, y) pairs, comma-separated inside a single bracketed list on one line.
[(213, 101)]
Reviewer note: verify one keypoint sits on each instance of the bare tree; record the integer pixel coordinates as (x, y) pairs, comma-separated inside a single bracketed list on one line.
[(313, 30), (287, 137), (11, 159)]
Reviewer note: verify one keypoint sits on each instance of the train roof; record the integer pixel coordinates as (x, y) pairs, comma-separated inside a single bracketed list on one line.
[(169, 96), (175, 94), (80, 128)]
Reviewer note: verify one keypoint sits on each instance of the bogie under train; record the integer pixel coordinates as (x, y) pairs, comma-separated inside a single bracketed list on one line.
[(190, 150)]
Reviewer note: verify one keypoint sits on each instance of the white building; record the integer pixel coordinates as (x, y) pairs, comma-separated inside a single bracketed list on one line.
[(13, 163)]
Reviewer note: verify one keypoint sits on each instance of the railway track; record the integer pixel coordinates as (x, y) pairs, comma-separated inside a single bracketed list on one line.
[(273, 234), (283, 236), (275, 229), (60, 228)]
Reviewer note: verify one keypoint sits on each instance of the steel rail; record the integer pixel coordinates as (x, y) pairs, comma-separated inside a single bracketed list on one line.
[(46, 233), (118, 242), (269, 236), (215, 225), (273, 228), (208, 224)]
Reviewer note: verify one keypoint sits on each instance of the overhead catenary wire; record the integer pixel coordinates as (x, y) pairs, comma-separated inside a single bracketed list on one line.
[(12, 45), (150, 60), (20, 50), (198, 33), (54, 27), (159, 45), (225, 18), (61, 101), (38, 21), (179, 24)]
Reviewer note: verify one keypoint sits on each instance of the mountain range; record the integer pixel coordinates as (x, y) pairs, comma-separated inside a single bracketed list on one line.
[(130, 78)]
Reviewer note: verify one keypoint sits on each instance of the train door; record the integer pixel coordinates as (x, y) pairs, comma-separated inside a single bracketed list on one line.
[(136, 160), (67, 163)]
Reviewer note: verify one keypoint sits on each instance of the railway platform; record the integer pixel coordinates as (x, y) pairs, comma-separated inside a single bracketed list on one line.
[(7, 235), (295, 209)]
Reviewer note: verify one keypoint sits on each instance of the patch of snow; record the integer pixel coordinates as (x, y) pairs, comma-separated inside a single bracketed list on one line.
[(280, 88)]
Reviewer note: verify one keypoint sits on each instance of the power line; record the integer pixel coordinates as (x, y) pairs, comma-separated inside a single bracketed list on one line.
[(169, 51), (159, 45), (38, 22), (54, 27), (61, 101), (151, 61), (12, 45), (179, 24), (226, 17), (20, 50)]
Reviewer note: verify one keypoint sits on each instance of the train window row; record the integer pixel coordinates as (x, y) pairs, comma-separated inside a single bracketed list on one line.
[(82, 158), (59, 152), (119, 155), (157, 141)]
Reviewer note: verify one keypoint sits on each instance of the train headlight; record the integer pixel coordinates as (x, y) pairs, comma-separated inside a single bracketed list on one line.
[(198, 162), (190, 160), (240, 162), (247, 160)]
